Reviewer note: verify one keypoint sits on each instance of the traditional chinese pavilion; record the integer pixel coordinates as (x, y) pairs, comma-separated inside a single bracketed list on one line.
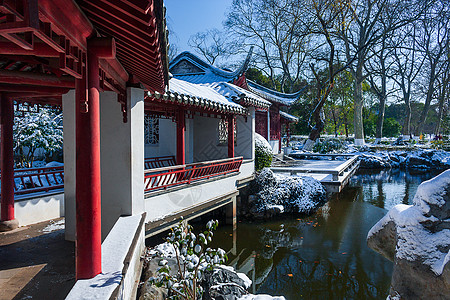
[(269, 122), (94, 58)]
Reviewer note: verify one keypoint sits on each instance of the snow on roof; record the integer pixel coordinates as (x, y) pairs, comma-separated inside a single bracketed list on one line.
[(271, 95), (199, 95), (288, 116), (232, 91), (206, 73)]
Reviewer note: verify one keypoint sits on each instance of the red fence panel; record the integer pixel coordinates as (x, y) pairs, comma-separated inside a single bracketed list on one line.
[(159, 162), (32, 180), (162, 178)]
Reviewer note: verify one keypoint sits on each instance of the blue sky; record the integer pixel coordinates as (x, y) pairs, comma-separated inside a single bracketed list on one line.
[(187, 17)]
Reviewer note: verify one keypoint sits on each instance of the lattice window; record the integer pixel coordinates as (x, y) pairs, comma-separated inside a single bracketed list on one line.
[(223, 132), (151, 130)]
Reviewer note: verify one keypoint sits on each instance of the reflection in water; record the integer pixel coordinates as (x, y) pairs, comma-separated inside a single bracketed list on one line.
[(387, 188), (324, 256)]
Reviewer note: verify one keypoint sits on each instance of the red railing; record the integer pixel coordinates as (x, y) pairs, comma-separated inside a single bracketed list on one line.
[(162, 178), (32, 180), (159, 162)]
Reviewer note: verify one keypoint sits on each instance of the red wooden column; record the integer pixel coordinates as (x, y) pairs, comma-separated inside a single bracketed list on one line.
[(231, 125), (181, 145), (88, 181), (7, 159), (288, 134)]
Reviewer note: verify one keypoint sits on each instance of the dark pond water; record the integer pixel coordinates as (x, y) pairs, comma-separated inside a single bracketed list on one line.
[(323, 256)]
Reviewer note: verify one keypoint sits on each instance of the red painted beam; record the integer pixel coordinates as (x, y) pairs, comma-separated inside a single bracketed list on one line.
[(181, 146), (231, 125), (123, 7), (18, 95), (67, 19), (7, 161), (15, 77), (88, 184), (115, 70), (32, 89)]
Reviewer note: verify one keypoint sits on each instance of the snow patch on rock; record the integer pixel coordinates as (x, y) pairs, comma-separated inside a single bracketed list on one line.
[(279, 193), (422, 232)]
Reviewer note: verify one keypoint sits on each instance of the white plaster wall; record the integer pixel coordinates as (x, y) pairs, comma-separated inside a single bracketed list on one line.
[(169, 203), (167, 140), (275, 146), (247, 169), (245, 141), (206, 140), (38, 208), (189, 141), (114, 252), (122, 157), (68, 104)]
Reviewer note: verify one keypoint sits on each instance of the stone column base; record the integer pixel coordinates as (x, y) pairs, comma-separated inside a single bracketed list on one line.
[(9, 225)]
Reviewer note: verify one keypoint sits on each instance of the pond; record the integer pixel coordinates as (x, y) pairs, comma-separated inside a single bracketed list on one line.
[(323, 256)]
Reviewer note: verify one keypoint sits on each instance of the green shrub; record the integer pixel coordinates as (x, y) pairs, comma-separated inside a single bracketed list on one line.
[(327, 146), (263, 153), (193, 256)]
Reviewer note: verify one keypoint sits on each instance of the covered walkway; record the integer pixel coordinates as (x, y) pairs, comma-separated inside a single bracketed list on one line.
[(36, 262)]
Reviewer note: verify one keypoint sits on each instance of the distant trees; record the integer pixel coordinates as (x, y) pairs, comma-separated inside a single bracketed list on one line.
[(211, 44), (350, 52)]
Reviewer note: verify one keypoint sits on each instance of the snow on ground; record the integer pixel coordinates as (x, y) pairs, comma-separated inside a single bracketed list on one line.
[(419, 159), (261, 297), (54, 164), (54, 226), (163, 250)]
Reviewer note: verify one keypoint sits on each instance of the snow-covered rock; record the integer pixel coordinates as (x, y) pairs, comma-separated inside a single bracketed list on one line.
[(278, 194), (417, 160), (417, 238), (224, 283)]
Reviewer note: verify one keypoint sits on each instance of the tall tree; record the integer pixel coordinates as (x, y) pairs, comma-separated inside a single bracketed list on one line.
[(433, 40), (443, 95), (408, 64), (211, 44), (269, 25), (328, 17), (361, 36)]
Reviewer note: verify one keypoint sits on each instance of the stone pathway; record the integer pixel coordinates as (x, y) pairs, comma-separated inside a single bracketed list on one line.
[(35, 264)]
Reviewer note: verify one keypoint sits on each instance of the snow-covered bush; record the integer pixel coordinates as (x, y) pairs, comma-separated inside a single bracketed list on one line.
[(193, 259), (298, 194), (263, 153), (36, 130), (328, 145)]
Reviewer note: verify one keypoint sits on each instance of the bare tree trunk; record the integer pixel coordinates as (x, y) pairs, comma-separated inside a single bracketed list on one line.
[(358, 125), (426, 108), (442, 96), (382, 98), (406, 130), (346, 125), (335, 122)]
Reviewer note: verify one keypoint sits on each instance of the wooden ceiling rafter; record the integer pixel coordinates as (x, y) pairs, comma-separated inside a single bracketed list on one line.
[(50, 36)]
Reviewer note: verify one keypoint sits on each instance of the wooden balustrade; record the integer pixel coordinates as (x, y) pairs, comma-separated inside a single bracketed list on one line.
[(162, 178)]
